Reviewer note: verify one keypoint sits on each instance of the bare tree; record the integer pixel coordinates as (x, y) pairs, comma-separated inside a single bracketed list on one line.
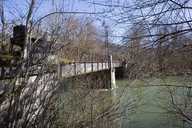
[(27, 97)]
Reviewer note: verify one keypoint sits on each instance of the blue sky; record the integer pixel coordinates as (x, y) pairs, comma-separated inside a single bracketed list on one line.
[(46, 6), (17, 8)]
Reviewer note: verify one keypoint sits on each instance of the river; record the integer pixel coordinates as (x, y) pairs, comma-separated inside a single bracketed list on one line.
[(133, 104), (153, 103)]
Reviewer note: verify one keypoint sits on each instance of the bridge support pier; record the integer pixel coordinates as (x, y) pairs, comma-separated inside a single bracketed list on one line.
[(112, 71)]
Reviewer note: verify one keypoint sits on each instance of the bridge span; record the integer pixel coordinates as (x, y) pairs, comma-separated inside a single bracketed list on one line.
[(97, 70), (79, 68)]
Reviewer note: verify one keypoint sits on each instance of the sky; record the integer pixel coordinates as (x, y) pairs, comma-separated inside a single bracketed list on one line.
[(43, 6), (15, 9), (12, 9)]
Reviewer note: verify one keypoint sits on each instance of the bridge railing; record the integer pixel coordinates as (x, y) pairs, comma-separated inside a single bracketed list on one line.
[(65, 70), (77, 68)]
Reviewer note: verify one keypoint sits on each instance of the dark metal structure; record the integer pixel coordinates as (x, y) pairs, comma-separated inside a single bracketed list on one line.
[(10, 57)]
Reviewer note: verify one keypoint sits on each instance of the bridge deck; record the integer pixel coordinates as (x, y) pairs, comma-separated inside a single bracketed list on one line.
[(63, 70), (82, 68)]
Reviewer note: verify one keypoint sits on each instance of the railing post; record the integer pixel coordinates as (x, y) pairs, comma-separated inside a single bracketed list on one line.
[(92, 66), (75, 68), (59, 71), (102, 65), (85, 70)]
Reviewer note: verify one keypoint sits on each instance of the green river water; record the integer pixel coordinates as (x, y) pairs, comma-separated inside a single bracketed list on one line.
[(142, 103), (152, 102)]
